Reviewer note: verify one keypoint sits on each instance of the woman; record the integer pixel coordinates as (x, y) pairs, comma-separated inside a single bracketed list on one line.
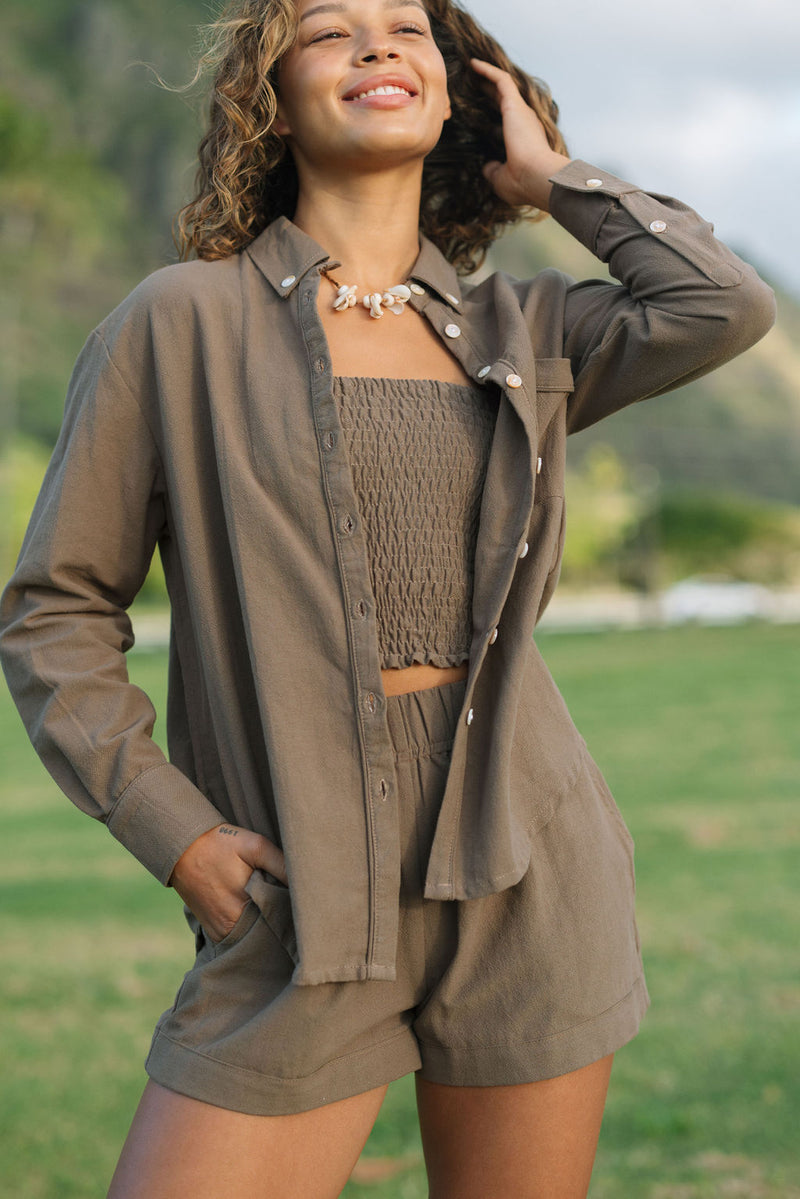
[(394, 849)]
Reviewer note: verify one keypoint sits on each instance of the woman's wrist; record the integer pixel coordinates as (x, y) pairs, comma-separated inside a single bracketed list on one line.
[(537, 178)]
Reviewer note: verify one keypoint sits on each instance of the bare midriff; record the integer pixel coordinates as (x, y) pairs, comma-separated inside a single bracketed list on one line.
[(419, 677)]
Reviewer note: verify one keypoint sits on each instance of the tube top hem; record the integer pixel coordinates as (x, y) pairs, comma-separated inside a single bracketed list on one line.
[(423, 658)]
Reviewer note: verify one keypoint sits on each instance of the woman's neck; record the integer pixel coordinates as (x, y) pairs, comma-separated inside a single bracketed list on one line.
[(370, 225)]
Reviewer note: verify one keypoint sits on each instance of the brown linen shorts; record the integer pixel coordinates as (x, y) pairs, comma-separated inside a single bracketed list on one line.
[(525, 984)]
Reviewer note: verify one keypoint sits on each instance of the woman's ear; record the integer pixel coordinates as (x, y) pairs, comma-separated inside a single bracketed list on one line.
[(280, 125)]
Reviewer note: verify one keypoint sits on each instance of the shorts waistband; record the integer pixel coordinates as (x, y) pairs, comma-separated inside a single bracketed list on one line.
[(424, 722)]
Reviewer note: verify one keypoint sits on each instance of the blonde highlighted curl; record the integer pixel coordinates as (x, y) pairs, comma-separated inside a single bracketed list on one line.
[(246, 176)]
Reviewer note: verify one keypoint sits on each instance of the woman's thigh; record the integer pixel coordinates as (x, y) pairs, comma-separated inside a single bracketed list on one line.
[(180, 1146), (533, 1140)]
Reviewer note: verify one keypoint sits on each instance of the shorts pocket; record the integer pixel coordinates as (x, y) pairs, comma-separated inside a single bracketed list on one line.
[(616, 819), (274, 904), (609, 802), (241, 928)]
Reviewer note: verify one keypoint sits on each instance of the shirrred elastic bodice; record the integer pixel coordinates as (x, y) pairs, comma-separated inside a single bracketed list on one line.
[(419, 449)]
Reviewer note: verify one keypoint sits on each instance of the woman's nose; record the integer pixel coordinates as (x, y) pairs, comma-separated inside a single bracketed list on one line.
[(377, 50)]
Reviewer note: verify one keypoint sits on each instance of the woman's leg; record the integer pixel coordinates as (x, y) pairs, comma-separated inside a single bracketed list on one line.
[(178, 1147), (534, 1141)]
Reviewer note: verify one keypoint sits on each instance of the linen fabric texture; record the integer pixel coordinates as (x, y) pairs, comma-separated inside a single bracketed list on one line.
[(200, 418), (530, 982)]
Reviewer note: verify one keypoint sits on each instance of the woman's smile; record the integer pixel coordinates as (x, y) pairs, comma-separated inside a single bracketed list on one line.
[(382, 97), (383, 90)]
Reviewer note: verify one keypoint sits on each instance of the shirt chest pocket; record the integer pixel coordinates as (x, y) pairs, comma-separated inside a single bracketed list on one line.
[(554, 384)]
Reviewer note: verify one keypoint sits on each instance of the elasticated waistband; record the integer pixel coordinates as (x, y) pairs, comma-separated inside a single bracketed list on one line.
[(424, 722)]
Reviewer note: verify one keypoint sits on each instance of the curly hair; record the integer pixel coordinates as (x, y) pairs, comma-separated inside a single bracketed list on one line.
[(247, 177)]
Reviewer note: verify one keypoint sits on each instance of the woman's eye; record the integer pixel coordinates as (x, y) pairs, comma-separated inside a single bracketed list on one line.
[(337, 33)]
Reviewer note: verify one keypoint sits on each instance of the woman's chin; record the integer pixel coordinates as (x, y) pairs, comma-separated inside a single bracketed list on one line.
[(385, 148)]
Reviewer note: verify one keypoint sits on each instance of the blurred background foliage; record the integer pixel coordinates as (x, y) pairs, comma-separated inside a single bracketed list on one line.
[(96, 158)]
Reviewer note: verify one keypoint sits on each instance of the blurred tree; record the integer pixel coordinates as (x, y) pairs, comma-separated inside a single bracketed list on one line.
[(702, 532)]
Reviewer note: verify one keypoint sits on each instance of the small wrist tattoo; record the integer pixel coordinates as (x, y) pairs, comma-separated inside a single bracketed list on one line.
[(228, 832)]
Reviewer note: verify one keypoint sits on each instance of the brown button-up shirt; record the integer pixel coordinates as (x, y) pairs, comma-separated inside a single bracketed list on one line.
[(200, 418)]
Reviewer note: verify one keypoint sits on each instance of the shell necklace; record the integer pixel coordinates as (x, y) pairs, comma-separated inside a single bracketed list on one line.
[(394, 298)]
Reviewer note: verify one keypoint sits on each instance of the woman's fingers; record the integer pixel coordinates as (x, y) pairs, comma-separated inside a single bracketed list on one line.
[(522, 178), (262, 854), (510, 100), (211, 874)]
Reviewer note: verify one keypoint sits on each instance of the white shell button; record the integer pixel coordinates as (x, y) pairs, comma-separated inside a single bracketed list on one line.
[(538, 466), (417, 290), (452, 330), (451, 298), (513, 381), (470, 716), (493, 637), (658, 226), (594, 182), (288, 281), (483, 372), (524, 550)]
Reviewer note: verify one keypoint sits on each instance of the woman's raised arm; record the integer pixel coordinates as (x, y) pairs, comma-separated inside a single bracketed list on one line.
[(684, 304)]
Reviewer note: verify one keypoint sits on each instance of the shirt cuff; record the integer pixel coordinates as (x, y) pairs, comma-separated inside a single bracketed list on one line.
[(601, 210), (159, 815), (581, 176), (582, 197)]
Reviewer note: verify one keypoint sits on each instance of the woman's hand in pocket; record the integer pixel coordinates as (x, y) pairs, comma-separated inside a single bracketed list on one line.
[(210, 875)]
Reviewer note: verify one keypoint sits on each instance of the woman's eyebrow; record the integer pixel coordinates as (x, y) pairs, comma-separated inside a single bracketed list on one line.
[(338, 7)]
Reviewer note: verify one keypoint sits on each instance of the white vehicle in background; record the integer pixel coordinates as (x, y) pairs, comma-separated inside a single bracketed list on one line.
[(715, 599)]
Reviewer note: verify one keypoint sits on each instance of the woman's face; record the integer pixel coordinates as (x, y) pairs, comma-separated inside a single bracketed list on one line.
[(345, 48)]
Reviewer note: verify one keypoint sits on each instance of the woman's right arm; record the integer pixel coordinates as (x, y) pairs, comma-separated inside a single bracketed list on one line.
[(64, 632)]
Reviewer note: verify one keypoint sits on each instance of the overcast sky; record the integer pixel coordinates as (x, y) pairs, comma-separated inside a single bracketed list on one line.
[(698, 99)]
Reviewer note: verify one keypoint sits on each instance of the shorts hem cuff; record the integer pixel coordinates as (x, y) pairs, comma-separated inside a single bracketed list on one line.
[(477, 1065), (189, 1072)]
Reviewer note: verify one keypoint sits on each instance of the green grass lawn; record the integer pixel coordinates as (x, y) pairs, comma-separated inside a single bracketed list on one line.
[(697, 733)]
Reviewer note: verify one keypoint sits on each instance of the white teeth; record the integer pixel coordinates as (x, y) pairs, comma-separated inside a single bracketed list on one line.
[(390, 90)]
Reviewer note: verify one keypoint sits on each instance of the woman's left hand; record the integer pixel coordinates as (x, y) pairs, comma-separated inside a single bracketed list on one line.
[(523, 178)]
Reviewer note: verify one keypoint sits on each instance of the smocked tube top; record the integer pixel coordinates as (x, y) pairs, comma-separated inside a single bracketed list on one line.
[(418, 451)]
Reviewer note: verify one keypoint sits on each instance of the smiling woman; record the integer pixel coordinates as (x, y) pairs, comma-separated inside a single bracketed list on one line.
[(394, 850)]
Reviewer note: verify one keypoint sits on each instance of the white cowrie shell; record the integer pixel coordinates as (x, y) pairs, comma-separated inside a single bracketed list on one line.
[(345, 298)]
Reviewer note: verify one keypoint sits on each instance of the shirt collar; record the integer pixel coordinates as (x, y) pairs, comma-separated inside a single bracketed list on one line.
[(284, 254)]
